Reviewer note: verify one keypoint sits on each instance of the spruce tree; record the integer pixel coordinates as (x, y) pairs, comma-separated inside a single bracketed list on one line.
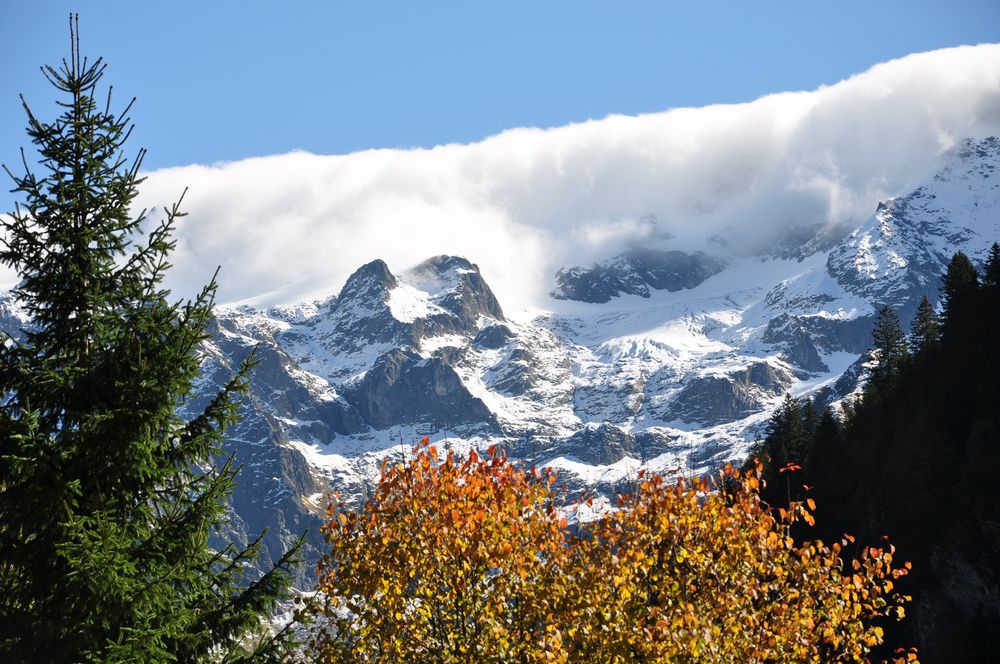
[(108, 497), (783, 445), (810, 420), (991, 274), (959, 283), (823, 448), (889, 350), (926, 329)]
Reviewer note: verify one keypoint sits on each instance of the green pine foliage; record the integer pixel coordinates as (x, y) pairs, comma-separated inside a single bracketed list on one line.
[(916, 458), (926, 329), (959, 283), (889, 350), (991, 273), (991, 278), (108, 497)]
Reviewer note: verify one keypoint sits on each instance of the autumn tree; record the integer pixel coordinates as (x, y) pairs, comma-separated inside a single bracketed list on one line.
[(450, 561), (691, 571), (108, 496), (470, 561)]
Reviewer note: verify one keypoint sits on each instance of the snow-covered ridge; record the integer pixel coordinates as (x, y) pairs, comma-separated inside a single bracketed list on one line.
[(685, 373), (675, 380), (902, 249)]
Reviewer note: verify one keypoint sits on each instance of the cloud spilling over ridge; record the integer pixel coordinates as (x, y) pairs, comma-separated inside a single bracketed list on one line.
[(525, 202)]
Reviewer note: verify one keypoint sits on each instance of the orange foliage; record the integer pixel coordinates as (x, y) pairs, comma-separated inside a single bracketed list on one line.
[(458, 561), (684, 573), (448, 561)]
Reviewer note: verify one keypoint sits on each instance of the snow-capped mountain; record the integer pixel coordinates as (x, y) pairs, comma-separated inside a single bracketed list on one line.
[(658, 358)]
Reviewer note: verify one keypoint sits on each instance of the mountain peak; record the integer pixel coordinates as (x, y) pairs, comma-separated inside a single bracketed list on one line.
[(444, 263), (368, 281), (902, 249), (455, 284)]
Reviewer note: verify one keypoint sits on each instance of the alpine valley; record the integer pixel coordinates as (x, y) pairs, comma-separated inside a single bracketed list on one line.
[(656, 358)]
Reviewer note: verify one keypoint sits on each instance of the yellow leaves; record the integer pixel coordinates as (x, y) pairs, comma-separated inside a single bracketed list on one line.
[(454, 559), (445, 542)]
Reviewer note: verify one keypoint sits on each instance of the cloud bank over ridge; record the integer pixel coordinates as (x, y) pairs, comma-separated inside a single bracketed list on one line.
[(525, 202)]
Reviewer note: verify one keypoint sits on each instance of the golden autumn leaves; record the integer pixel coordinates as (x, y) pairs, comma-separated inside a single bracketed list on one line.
[(471, 560)]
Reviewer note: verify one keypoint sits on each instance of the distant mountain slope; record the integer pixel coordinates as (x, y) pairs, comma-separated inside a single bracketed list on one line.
[(635, 272), (658, 358)]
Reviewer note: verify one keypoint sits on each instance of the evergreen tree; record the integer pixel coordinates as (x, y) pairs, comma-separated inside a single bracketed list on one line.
[(926, 330), (810, 420), (960, 281), (782, 447), (108, 497), (889, 350), (991, 275), (825, 441)]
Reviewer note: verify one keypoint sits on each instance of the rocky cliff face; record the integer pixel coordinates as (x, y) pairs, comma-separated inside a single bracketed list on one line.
[(660, 359), (635, 272)]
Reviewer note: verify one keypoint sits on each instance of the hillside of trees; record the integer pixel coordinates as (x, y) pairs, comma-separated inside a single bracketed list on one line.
[(916, 457)]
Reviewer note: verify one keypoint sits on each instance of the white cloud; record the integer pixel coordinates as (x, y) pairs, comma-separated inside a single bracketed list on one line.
[(527, 201)]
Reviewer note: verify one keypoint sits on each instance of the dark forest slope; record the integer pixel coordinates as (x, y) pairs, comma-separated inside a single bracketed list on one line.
[(917, 458)]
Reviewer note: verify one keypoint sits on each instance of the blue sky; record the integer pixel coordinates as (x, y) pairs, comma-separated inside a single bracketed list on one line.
[(224, 80), (221, 81)]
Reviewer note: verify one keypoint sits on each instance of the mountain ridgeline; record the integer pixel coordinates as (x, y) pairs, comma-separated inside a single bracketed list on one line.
[(669, 358), (916, 457)]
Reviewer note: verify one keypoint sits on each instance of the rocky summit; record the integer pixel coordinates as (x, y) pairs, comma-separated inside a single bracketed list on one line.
[(660, 358)]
